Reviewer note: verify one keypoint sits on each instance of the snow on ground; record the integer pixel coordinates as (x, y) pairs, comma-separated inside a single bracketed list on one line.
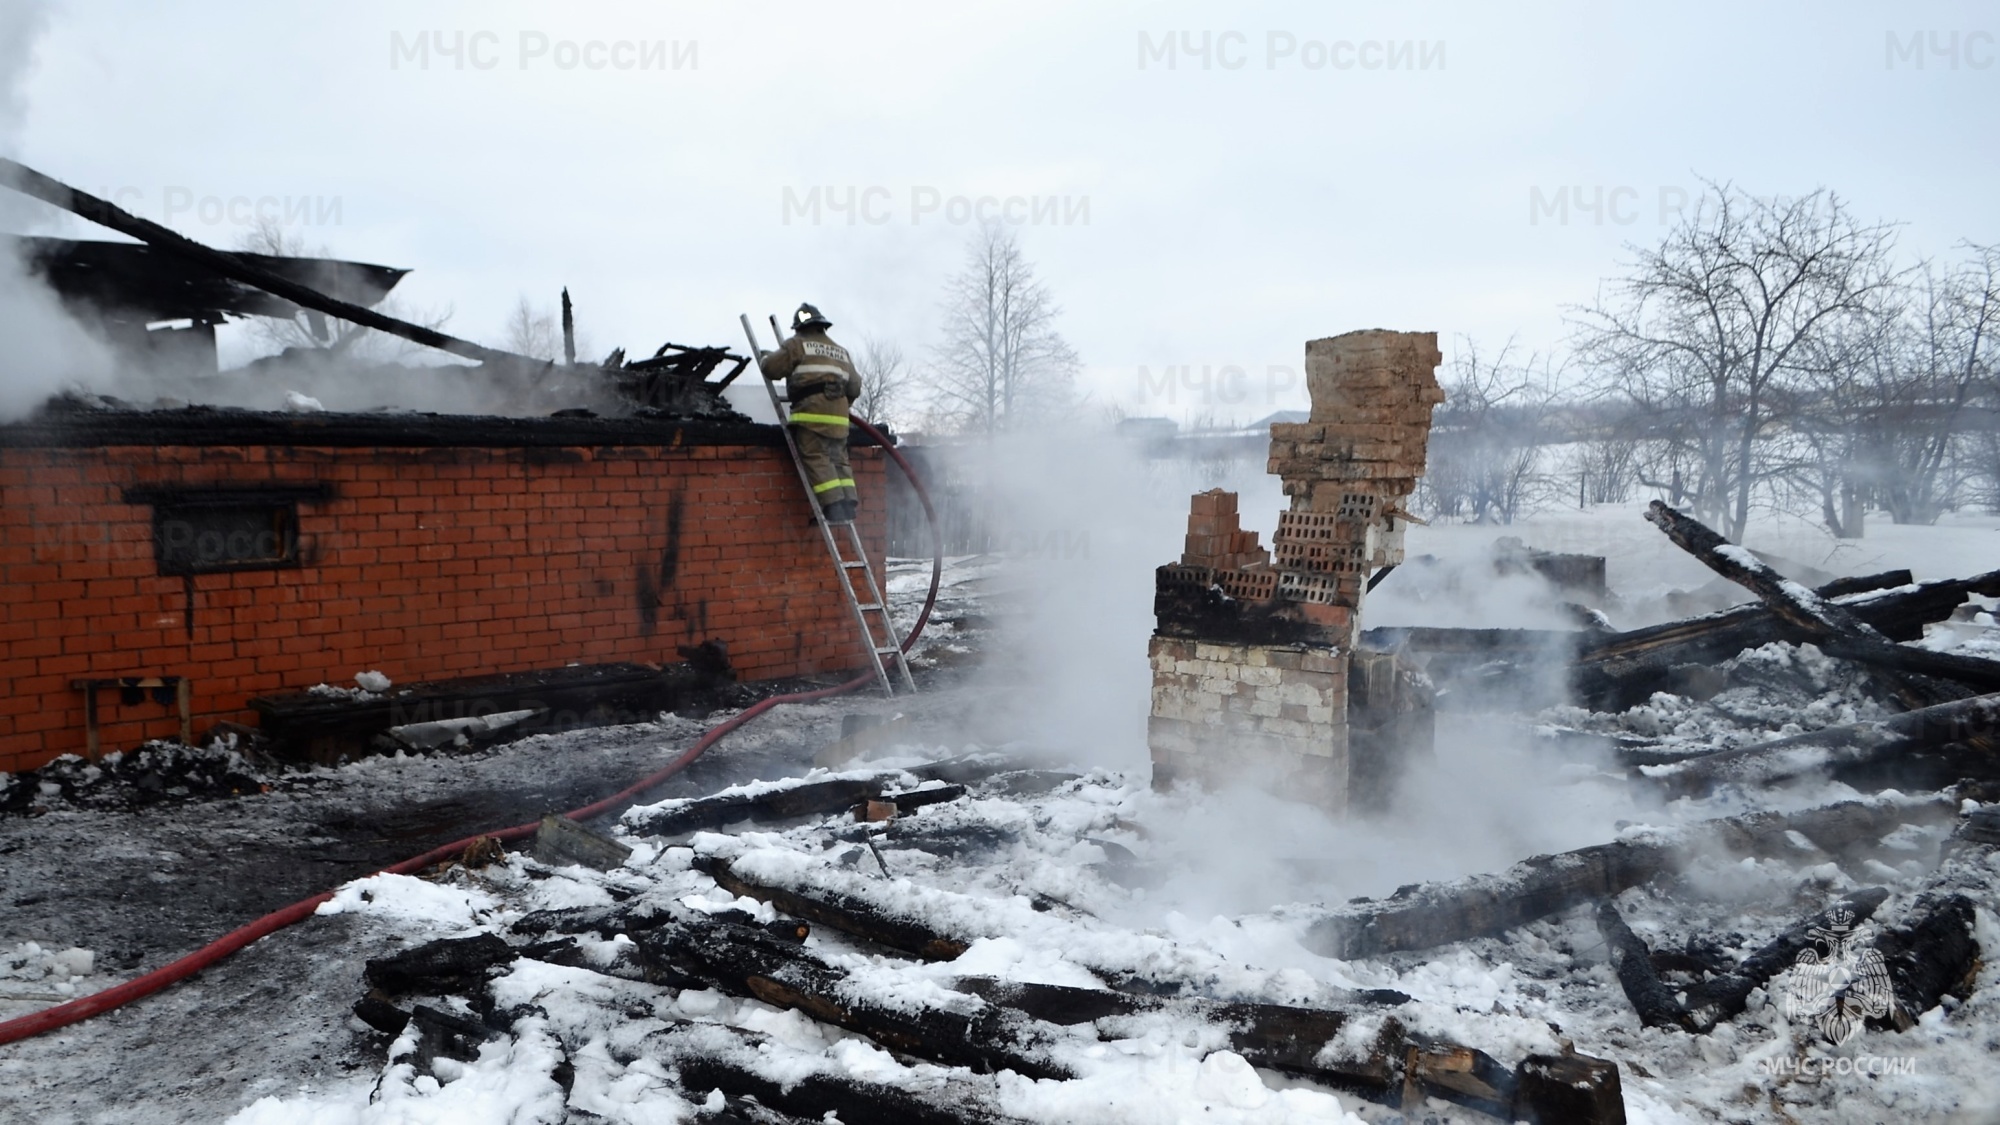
[(1052, 901), (1204, 887)]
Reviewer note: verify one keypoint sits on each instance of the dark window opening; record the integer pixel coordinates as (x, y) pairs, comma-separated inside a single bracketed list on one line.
[(225, 529)]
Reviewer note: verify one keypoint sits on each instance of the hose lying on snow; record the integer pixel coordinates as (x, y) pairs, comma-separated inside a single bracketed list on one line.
[(82, 1008)]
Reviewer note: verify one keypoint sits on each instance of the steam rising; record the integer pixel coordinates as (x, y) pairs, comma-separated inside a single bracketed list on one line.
[(1090, 518), (44, 351)]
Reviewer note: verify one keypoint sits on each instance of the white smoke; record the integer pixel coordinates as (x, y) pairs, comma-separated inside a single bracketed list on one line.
[(1085, 518), (42, 350)]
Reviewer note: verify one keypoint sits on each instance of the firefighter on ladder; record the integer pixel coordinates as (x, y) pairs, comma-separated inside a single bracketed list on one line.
[(820, 381)]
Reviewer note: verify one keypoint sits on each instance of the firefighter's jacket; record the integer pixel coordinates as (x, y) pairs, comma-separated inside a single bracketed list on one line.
[(820, 381)]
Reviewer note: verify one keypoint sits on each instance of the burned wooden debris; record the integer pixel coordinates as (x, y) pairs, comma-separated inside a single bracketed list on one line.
[(1701, 1006), (1423, 917), (324, 728), (1637, 975), (1935, 951), (1624, 669), (747, 961), (1965, 731), (1836, 629), (1858, 619), (855, 915), (983, 1025), (938, 782), (712, 1057), (1563, 1088)]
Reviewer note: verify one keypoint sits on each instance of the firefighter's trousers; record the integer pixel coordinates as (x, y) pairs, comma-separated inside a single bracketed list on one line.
[(826, 465)]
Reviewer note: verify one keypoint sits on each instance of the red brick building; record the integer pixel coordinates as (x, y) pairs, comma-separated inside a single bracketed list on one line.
[(257, 553)]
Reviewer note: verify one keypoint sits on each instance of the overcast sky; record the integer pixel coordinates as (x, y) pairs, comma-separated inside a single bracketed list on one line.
[(1195, 210)]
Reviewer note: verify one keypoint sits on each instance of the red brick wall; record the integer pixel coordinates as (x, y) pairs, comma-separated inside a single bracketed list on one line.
[(425, 564)]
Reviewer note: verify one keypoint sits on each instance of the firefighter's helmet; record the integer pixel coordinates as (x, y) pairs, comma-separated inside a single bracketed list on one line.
[(809, 317)]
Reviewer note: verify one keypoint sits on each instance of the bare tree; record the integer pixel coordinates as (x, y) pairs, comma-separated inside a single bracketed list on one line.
[(1487, 438), (1606, 468), (1001, 363), (1884, 422), (531, 331), (1711, 333), (886, 378), (312, 331)]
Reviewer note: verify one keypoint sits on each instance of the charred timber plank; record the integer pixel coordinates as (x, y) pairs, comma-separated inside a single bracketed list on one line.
[(1836, 629), (1058, 1004), (784, 803), (802, 797), (447, 965), (1627, 669), (1974, 723), (711, 1057), (1694, 629), (1274, 1036), (1463, 1075), (1427, 916), (1288, 1039), (847, 913), (1569, 1090), (747, 961), (1430, 915), (1974, 672), (1633, 962), (27, 181), (1722, 998), (1797, 606), (1934, 953)]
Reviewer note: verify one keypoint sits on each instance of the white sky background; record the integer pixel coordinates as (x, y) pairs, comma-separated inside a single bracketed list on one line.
[(1233, 214)]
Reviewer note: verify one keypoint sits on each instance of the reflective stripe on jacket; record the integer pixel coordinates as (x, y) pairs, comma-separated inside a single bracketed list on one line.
[(820, 380)]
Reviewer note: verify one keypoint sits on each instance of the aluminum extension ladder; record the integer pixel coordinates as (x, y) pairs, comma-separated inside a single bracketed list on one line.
[(884, 649)]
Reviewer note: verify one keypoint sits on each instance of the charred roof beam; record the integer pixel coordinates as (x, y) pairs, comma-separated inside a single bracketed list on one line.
[(54, 192)]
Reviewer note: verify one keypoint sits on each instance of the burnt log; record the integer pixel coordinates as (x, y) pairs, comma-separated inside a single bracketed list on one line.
[(1709, 635), (1397, 1069), (1569, 1090), (1632, 961), (1620, 671), (380, 1014), (442, 967), (1714, 1001), (850, 914), (748, 961), (1973, 723), (711, 1057), (1934, 953), (798, 798), (1430, 915), (1836, 629), (27, 181), (808, 798), (1273, 1036), (1459, 1074), (910, 800)]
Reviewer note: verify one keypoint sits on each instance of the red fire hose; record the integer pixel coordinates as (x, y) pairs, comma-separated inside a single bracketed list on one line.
[(82, 1008)]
